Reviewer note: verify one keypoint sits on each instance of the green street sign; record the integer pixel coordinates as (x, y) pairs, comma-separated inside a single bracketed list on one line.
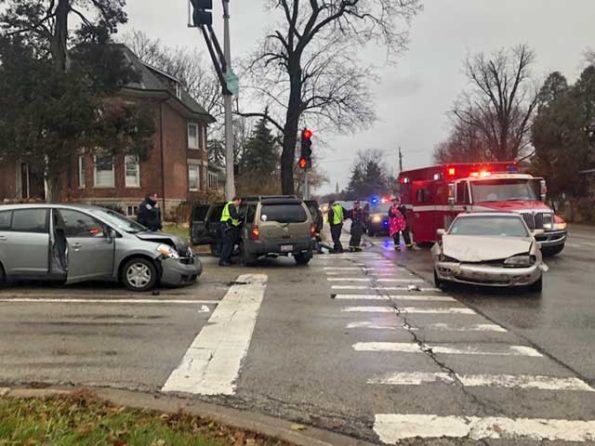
[(233, 83)]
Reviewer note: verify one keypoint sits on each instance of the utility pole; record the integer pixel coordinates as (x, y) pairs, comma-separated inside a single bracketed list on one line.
[(400, 160), (230, 187), (306, 185)]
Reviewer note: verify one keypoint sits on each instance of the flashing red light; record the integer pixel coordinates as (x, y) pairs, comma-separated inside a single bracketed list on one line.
[(307, 133), (303, 163), (452, 171), (255, 234), (474, 174), (312, 230)]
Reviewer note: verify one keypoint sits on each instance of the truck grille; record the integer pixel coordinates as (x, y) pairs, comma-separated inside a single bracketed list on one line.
[(537, 220)]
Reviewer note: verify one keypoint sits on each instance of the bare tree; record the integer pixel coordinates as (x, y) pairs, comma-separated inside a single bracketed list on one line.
[(308, 69), (500, 105)]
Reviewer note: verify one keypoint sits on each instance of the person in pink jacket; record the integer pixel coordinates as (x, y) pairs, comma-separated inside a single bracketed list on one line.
[(396, 223)]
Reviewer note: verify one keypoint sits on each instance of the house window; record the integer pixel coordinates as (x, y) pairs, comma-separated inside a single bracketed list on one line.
[(131, 211), (82, 179), (204, 137), (193, 177), (213, 180), (132, 171), (178, 91), (104, 171), (193, 136)]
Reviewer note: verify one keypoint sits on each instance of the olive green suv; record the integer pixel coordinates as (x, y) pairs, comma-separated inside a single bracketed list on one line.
[(274, 225)]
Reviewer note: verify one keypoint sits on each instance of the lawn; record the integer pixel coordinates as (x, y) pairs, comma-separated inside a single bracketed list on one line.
[(83, 420), (178, 230)]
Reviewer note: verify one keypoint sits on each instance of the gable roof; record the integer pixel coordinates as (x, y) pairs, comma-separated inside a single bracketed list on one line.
[(153, 80)]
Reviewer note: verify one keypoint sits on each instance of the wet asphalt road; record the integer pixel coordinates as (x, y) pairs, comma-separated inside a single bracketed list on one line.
[(344, 344)]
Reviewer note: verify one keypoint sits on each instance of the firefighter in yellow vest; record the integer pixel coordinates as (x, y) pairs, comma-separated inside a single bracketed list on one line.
[(230, 229), (336, 216)]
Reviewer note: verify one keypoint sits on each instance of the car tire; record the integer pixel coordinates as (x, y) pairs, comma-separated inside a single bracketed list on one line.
[(303, 258), (537, 286), (550, 252), (139, 274), (246, 258), (216, 249), (2, 276)]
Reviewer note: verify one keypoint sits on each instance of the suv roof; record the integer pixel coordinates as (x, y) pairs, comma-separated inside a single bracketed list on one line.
[(274, 199)]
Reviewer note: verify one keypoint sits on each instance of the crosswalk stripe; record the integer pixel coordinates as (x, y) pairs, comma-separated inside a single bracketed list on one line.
[(212, 363), (368, 279), (354, 268), (411, 297), (437, 327), (392, 428), (367, 273), (47, 300), (412, 347), (507, 381), (408, 310), (382, 288)]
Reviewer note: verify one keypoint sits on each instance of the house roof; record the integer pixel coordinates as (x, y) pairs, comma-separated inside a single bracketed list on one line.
[(153, 80)]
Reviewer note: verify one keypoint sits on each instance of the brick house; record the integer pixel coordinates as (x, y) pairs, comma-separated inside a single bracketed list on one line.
[(176, 168)]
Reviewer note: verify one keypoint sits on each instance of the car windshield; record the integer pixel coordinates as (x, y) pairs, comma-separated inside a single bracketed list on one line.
[(489, 226), (381, 208), (284, 213), (503, 190), (119, 221)]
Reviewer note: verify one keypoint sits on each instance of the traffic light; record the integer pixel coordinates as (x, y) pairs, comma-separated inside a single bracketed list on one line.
[(306, 153), (202, 12)]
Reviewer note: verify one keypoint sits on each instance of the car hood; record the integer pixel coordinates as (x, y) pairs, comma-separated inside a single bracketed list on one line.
[(178, 243), (466, 248)]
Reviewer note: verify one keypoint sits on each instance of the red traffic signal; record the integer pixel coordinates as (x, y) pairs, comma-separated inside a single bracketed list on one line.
[(307, 133), (303, 163)]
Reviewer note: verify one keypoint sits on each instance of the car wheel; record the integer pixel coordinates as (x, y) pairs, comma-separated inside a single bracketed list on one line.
[(139, 274), (537, 286), (549, 252), (303, 258), (246, 258), (216, 249), (2, 277)]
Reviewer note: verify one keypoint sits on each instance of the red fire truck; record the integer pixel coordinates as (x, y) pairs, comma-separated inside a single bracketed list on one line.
[(434, 195)]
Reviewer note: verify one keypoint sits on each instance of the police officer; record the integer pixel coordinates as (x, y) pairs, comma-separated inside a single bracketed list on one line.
[(149, 214), (336, 216), (357, 216), (230, 225)]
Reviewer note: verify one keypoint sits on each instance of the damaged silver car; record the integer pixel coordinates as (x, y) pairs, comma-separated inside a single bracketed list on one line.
[(491, 249), (84, 243)]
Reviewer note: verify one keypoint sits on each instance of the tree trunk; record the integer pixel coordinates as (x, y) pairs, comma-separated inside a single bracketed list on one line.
[(60, 37), (290, 130)]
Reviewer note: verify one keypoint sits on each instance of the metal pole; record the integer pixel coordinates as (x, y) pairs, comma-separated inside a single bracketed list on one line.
[(306, 185), (230, 189)]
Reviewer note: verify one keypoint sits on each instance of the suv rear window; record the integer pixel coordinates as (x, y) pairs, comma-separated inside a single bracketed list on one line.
[(284, 213), (5, 217)]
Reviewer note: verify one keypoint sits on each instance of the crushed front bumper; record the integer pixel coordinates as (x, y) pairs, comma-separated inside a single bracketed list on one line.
[(552, 239), (180, 272), (487, 275)]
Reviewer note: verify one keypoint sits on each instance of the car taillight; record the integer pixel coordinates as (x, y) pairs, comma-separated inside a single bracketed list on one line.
[(255, 234), (312, 230)]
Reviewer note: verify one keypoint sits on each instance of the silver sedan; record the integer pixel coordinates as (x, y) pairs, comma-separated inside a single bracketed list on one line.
[(493, 249), (83, 243)]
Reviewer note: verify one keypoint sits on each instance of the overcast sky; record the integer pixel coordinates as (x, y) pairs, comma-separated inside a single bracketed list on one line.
[(412, 97)]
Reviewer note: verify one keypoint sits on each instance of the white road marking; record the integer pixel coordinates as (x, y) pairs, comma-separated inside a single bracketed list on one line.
[(354, 268), (367, 273), (506, 381), (368, 279), (409, 310), (204, 309), (392, 428), (411, 297), (438, 327), (381, 288), (107, 301), (412, 347), (212, 363)]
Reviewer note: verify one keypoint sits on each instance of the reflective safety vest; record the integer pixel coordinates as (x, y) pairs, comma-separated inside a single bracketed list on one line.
[(225, 215), (337, 214)]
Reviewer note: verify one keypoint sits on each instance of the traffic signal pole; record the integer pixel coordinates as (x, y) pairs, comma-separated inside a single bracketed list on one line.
[(306, 185), (230, 187)]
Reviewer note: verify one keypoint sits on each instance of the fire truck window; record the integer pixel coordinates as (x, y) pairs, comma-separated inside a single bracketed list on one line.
[(462, 197), (423, 195)]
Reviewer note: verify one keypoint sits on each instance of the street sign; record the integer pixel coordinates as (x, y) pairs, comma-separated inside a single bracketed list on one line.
[(233, 83)]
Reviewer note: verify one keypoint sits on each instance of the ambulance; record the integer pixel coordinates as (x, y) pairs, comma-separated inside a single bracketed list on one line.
[(434, 196)]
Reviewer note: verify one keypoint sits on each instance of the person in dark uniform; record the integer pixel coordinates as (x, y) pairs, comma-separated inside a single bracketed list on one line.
[(149, 214), (336, 216), (230, 229), (358, 223)]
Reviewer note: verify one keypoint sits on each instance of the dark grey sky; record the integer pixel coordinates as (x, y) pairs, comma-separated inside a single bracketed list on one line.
[(412, 98)]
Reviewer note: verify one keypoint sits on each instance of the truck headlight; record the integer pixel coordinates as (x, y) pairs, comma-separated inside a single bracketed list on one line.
[(520, 261), (167, 252), (376, 219)]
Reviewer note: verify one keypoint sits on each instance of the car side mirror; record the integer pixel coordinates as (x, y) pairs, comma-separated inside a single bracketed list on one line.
[(111, 233), (440, 232), (537, 232)]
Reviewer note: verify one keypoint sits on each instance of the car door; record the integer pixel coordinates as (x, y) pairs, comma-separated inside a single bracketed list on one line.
[(90, 248), (25, 247), (198, 225)]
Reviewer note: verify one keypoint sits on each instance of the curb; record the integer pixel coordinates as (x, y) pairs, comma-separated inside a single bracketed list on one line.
[(239, 419)]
